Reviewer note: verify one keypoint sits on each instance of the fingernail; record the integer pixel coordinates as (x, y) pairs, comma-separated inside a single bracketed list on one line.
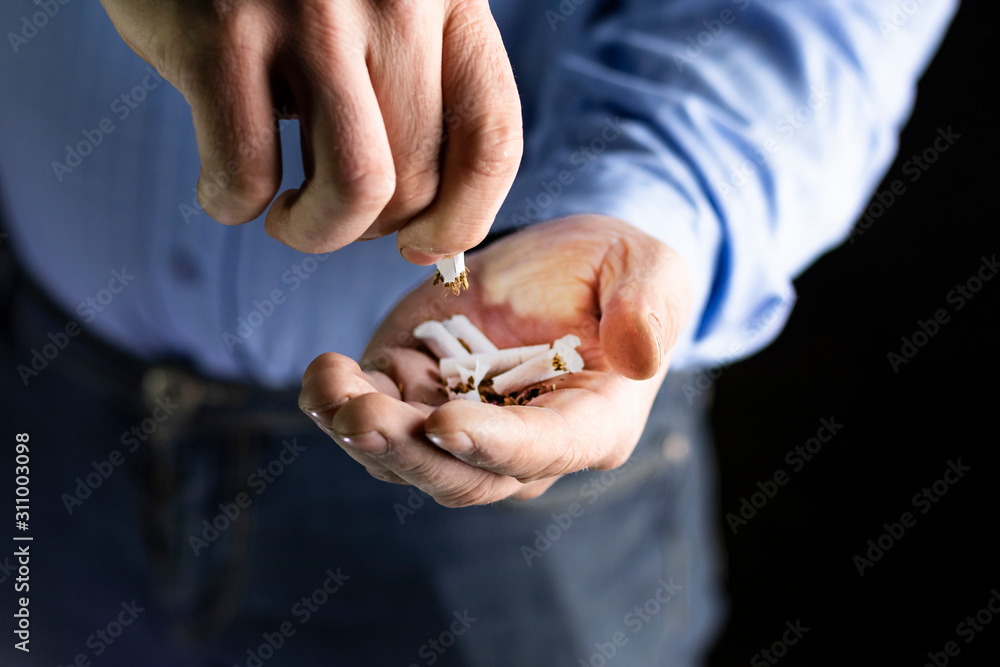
[(371, 442), (657, 329), (417, 257), (457, 442), (324, 414), (321, 419)]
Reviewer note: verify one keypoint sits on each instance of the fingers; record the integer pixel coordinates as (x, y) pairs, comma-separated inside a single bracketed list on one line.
[(391, 433), (230, 99), (352, 177), (645, 301), (405, 68), (331, 380), (484, 139), (561, 432), (414, 373)]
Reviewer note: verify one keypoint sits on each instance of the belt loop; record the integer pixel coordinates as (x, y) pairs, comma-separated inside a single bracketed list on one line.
[(177, 394)]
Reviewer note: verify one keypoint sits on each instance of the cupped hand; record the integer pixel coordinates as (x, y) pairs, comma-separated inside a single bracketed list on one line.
[(625, 294), (376, 84)]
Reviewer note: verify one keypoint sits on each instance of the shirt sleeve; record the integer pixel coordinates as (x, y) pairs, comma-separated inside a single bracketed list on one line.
[(745, 134)]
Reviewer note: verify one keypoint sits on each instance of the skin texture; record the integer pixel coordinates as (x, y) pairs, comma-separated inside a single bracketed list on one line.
[(410, 118), (625, 294)]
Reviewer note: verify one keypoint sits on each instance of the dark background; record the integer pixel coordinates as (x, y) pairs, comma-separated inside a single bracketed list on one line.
[(794, 559)]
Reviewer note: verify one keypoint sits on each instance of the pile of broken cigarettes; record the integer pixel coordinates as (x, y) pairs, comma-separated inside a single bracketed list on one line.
[(470, 365)]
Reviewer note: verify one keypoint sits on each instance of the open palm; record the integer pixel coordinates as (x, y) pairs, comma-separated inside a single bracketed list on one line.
[(624, 294)]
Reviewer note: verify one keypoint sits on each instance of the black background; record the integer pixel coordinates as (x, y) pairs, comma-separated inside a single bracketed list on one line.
[(794, 559)]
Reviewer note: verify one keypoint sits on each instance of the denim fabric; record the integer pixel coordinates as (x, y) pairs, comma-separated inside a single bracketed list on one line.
[(614, 567)]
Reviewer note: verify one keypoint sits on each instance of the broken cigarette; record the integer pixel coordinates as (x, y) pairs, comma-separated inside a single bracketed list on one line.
[(436, 337), (561, 358), (468, 388), (464, 370), (471, 338), (499, 361), (452, 272)]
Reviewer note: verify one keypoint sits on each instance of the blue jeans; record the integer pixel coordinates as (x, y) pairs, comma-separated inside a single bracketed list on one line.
[(178, 521)]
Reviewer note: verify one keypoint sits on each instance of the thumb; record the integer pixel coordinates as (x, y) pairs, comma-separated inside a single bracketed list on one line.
[(645, 297)]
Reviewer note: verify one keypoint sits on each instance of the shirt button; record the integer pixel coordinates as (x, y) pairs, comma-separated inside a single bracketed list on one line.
[(184, 267)]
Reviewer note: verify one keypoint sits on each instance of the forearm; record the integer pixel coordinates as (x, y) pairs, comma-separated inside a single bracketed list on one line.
[(745, 135)]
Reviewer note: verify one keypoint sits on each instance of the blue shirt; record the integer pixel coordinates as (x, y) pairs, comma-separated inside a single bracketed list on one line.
[(746, 134)]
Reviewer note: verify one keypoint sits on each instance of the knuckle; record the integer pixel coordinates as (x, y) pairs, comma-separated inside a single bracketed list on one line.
[(322, 363), (495, 148), (383, 475), (416, 467), (415, 191), (472, 494), (233, 198), (406, 16), (364, 190)]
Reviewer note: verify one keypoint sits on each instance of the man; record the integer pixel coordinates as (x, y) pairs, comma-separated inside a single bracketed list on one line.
[(682, 163)]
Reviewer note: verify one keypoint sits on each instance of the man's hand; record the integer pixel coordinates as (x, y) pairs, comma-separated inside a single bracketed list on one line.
[(375, 84), (625, 294)]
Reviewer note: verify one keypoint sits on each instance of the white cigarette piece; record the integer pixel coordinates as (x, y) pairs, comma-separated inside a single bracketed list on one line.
[(499, 361), (562, 358), (453, 273), (437, 338), (451, 267), (473, 378), (502, 360), (466, 332)]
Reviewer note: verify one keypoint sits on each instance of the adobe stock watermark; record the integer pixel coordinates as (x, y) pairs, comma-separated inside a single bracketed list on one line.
[(565, 9), (259, 480), (264, 308), (757, 325), (797, 457), (635, 621), (130, 440), (432, 650), (88, 309), (104, 638), (32, 23), (302, 611), (899, 15), (923, 501), (958, 296), (968, 629), (122, 107), (547, 536), (915, 167), (779, 649), (786, 126), (714, 27), (7, 569), (582, 158)]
